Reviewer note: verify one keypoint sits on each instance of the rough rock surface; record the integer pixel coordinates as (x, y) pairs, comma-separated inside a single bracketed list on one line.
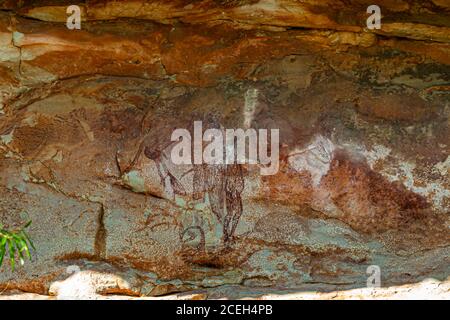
[(425, 290), (364, 116)]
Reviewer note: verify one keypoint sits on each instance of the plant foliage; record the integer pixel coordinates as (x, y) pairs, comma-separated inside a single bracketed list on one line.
[(16, 244)]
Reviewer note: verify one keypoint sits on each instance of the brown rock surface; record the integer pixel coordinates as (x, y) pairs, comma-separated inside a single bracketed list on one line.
[(364, 118)]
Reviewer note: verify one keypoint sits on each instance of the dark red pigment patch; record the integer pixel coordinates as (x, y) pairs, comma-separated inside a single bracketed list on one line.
[(368, 201)]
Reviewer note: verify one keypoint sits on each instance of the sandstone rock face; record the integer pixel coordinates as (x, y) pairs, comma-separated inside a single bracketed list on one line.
[(86, 118)]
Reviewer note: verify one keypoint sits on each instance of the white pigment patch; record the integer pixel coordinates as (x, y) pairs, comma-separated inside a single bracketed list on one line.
[(251, 100), (377, 153), (398, 169), (7, 138), (435, 190), (315, 158), (443, 167)]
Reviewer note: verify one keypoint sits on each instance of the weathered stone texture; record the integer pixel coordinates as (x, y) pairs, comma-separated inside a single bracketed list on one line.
[(364, 118)]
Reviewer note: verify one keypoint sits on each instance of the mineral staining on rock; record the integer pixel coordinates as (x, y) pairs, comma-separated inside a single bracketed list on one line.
[(86, 118)]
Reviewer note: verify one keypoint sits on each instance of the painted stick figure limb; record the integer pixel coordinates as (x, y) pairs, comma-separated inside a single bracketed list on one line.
[(215, 187), (234, 186)]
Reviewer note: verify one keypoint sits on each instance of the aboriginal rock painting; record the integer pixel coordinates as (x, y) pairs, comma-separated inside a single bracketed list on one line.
[(209, 196), (222, 185)]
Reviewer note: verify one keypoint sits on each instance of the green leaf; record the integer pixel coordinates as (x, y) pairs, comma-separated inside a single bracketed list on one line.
[(15, 242), (29, 240), (2, 250), (25, 246), (12, 253), (19, 246)]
